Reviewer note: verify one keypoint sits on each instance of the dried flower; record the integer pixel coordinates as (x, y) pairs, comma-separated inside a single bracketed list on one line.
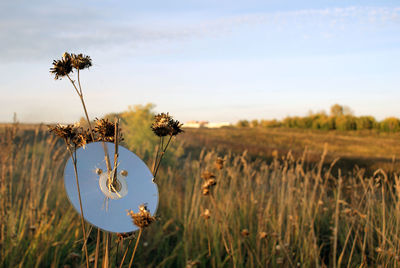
[(66, 132), (205, 191), (206, 175), (105, 130), (161, 125), (176, 127), (164, 125), (262, 235), (80, 61), (82, 138), (219, 163), (206, 214), (73, 134), (245, 232), (62, 67), (210, 181), (143, 218)]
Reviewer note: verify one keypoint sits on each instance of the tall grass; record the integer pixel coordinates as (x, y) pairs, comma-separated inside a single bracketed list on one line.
[(263, 214)]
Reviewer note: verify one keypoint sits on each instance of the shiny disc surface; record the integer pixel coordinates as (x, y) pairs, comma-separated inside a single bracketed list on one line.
[(108, 211)]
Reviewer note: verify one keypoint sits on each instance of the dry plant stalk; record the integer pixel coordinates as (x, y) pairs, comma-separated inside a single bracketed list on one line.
[(164, 125), (142, 219), (75, 136), (61, 68)]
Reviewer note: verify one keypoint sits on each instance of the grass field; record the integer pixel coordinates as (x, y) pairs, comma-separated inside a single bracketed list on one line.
[(268, 209), (367, 149)]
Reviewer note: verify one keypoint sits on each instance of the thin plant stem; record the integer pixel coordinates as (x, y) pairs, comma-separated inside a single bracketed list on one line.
[(106, 261), (114, 179), (79, 83), (126, 252), (219, 218), (80, 94), (96, 255), (335, 230), (136, 245), (120, 244), (208, 239), (80, 200), (161, 156), (157, 153)]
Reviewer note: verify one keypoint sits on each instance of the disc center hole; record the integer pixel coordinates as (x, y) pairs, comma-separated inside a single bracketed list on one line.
[(116, 186)]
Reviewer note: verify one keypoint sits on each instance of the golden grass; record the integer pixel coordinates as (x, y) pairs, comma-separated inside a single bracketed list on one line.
[(278, 213), (367, 149)]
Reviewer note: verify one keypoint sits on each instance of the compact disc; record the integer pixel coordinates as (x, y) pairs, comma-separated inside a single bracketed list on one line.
[(105, 204)]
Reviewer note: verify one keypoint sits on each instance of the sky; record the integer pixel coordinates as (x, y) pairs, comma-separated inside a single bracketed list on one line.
[(219, 61)]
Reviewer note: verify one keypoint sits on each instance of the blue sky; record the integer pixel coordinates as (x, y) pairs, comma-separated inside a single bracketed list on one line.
[(201, 60)]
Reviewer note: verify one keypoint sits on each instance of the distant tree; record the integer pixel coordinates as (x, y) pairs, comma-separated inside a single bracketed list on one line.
[(345, 122), (254, 123), (270, 123), (365, 122), (390, 124), (337, 110), (288, 122), (323, 122), (243, 123)]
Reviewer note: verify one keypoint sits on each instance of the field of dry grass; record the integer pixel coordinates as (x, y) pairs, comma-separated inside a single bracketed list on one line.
[(367, 149), (275, 212)]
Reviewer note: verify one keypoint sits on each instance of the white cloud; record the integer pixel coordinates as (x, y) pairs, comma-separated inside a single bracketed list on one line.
[(39, 29)]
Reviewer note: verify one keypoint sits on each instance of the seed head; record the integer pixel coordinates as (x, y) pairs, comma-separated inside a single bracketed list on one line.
[(205, 191), (105, 130), (219, 163), (82, 138), (80, 61), (176, 127), (67, 132), (245, 232), (62, 67), (210, 181), (206, 175), (143, 218), (262, 235), (206, 214), (164, 125), (160, 125)]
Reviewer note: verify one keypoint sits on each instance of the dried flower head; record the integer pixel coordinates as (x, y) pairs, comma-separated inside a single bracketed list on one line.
[(161, 125), (206, 214), (66, 132), (206, 175), (62, 67), (210, 181), (219, 163), (262, 235), (164, 125), (80, 61), (207, 185), (176, 127), (105, 130), (245, 232), (205, 191), (82, 138), (143, 218)]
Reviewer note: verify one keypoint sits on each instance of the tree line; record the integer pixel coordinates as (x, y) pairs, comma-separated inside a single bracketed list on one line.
[(339, 118)]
